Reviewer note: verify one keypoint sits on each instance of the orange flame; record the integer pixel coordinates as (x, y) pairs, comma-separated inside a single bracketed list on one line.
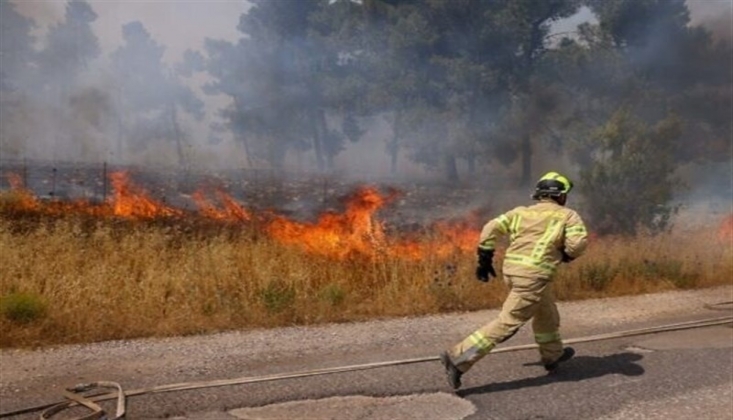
[(461, 234), (725, 232), (447, 238), (26, 199), (131, 201), (356, 231), (232, 211)]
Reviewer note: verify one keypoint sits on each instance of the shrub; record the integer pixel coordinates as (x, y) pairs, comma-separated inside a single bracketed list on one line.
[(628, 183), (22, 308), (597, 276), (445, 296), (277, 295), (672, 271), (333, 294)]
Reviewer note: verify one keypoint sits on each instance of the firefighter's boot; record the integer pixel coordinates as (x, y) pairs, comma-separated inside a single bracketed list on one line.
[(567, 354), (451, 371)]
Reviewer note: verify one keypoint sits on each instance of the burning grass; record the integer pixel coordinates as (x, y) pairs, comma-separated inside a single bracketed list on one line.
[(81, 272)]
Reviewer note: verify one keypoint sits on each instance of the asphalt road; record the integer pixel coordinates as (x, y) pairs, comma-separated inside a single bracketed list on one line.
[(676, 375), (672, 375)]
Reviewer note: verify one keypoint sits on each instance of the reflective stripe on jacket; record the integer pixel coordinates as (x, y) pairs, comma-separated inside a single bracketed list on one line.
[(538, 235)]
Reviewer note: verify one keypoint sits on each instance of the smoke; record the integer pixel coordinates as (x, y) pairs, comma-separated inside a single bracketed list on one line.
[(88, 121), (180, 27), (44, 15), (49, 116), (714, 15)]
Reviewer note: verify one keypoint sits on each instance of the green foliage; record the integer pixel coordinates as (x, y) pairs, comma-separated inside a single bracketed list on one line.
[(277, 296), (467, 81), (333, 294), (670, 270), (630, 183), (22, 308), (72, 45), (635, 22), (16, 49), (151, 95), (294, 57), (597, 275)]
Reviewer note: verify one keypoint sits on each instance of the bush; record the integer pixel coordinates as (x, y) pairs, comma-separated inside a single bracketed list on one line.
[(22, 308), (277, 295), (597, 276), (333, 294), (671, 271), (628, 184)]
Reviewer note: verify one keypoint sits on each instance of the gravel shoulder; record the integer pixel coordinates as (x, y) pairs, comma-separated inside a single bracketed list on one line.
[(31, 377)]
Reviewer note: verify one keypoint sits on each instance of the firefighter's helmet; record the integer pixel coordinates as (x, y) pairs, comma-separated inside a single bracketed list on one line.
[(553, 185)]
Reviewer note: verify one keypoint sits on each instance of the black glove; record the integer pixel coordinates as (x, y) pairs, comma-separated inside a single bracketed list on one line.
[(565, 257), (485, 265)]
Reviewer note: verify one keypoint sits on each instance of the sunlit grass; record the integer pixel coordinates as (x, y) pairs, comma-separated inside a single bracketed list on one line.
[(102, 279)]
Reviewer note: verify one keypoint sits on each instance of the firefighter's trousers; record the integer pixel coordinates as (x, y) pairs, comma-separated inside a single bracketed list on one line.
[(528, 299)]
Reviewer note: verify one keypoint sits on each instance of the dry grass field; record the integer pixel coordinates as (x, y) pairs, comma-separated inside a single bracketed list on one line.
[(76, 272)]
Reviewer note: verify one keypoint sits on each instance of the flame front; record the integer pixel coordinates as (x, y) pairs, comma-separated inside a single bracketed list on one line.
[(725, 232), (356, 231), (25, 198), (131, 201), (232, 211)]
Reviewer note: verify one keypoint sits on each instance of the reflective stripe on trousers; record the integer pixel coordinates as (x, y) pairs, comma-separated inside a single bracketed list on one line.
[(528, 299), (544, 338)]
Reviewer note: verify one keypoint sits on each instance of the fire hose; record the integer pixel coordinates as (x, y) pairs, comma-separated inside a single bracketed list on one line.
[(75, 397)]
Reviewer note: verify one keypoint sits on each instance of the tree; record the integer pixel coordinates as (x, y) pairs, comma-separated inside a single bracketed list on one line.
[(630, 183), (452, 70), (17, 57), (678, 68), (525, 27), (71, 46), (149, 94), (636, 23), (431, 67), (392, 54), (16, 48), (657, 89), (283, 78)]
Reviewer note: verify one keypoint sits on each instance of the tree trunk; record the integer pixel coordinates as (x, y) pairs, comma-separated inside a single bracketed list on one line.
[(120, 127), (327, 151), (177, 135), (393, 145), (318, 120), (451, 169), (247, 153), (471, 161), (526, 151), (242, 137)]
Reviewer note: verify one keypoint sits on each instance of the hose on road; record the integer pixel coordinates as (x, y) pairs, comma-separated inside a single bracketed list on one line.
[(74, 396)]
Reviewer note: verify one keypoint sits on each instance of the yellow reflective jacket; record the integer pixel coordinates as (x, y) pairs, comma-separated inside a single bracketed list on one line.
[(538, 235)]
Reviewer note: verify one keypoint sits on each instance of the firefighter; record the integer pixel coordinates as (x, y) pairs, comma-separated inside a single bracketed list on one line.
[(540, 237)]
